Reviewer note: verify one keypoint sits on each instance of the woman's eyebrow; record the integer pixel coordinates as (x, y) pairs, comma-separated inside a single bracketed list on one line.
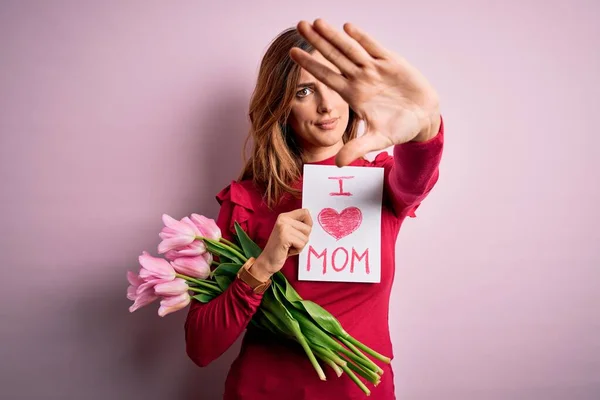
[(304, 84)]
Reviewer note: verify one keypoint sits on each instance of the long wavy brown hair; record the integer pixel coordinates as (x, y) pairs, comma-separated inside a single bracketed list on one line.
[(276, 161)]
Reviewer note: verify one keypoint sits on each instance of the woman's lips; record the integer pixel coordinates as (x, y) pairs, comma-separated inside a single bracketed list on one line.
[(327, 124)]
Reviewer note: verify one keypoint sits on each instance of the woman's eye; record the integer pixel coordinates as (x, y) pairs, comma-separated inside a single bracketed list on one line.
[(303, 92)]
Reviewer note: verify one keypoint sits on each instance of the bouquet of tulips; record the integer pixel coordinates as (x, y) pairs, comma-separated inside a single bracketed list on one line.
[(190, 247)]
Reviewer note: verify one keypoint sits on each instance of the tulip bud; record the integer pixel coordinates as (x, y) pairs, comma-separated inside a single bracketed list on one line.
[(173, 303)]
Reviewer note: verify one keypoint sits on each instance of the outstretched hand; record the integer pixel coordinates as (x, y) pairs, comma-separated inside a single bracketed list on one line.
[(392, 97)]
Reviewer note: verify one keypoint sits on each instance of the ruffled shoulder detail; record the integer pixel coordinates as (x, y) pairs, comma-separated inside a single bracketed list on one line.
[(381, 159), (240, 195)]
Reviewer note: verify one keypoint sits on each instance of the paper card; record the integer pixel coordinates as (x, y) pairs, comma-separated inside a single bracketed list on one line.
[(345, 242)]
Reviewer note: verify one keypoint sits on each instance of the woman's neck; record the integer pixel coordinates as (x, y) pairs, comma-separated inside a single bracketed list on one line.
[(318, 154)]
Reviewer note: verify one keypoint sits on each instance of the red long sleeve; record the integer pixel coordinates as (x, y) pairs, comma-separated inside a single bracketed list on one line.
[(412, 172), (211, 328)]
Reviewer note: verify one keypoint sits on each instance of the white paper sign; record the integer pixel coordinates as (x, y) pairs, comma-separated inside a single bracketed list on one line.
[(345, 242)]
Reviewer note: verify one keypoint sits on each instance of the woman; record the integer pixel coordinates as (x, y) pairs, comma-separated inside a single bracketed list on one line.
[(315, 84)]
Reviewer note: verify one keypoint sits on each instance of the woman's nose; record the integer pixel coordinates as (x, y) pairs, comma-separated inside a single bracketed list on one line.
[(325, 100)]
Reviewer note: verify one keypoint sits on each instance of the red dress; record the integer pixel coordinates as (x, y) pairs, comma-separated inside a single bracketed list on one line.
[(270, 368)]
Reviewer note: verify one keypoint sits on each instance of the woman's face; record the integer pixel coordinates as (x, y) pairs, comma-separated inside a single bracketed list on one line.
[(319, 115)]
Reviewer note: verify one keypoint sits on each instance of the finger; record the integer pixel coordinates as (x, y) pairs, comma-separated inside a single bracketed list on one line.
[(320, 71), (359, 147), (298, 242), (293, 252), (302, 215), (342, 42), (327, 49), (366, 41), (300, 226), (298, 238)]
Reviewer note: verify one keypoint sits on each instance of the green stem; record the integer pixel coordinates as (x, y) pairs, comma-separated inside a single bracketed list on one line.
[(342, 362), (206, 284), (360, 354), (198, 290), (233, 250), (367, 374), (351, 347), (231, 244), (323, 355), (302, 340), (318, 336), (352, 376), (368, 350), (240, 255), (368, 364)]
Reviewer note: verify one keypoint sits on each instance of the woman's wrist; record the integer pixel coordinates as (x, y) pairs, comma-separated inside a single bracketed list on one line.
[(430, 131), (260, 270)]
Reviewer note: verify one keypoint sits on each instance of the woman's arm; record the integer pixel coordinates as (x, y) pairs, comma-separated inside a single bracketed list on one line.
[(211, 328), (413, 171)]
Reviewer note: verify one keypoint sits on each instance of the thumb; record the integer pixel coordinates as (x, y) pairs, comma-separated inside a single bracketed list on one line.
[(359, 147)]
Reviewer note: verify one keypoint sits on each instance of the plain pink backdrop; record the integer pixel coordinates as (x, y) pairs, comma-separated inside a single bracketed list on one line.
[(114, 112)]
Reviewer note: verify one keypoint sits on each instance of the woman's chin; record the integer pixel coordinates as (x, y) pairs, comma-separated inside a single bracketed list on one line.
[(329, 138)]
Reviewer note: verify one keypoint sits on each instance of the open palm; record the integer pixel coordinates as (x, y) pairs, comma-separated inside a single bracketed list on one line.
[(394, 99)]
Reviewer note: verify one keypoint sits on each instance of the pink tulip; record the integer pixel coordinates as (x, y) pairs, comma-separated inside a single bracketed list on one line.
[(136, 292), (195, 267), (193, 249), (155, 268), (134, 282), (138, 285), (173, 303), (176, 234), (189, 222), (148, 286), (142, 300), (169, 231), (208, 228), (176, 287)]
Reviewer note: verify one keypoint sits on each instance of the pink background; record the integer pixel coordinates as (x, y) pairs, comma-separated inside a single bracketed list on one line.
[(112, 113)]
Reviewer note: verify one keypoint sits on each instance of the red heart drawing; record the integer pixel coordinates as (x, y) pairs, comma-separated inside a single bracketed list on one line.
[(341, 224)]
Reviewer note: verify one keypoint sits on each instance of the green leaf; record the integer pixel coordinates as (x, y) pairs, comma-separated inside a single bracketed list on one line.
[(261, 321), (288, 291), (227, 269), (250, 248), (313, 332), (325, 320), (225, 260), (328, 323), (319, 338), (322, 317), (271, 304), (223, 281), (269, 321), (203, 298), (285, 320)]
